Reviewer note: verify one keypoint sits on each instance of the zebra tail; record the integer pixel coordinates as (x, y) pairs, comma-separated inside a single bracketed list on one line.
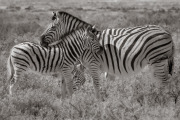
[(171, 61), (10, 69)]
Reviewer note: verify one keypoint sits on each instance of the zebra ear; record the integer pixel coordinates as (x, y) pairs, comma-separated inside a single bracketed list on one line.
[(94, 30), (54, 15), (94, 27), (90, 29)]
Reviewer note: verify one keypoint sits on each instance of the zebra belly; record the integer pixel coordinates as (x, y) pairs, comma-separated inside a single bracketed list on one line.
[(40, 73), (118, 73), (114, 65), (46, 70)]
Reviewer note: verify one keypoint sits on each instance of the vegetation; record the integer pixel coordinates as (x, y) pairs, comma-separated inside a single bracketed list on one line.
[(39, 97)]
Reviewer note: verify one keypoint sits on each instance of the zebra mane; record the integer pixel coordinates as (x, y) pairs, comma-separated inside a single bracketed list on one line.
[(63, 13)]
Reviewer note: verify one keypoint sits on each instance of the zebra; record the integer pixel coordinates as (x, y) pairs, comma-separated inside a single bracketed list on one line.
[(59, 58), (78, 79), (127, 51)]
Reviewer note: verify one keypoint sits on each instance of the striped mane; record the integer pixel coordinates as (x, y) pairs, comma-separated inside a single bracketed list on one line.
[(65, 14)]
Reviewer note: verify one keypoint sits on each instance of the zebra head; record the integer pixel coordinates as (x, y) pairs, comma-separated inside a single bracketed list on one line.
[(52, 34), (92, 41)]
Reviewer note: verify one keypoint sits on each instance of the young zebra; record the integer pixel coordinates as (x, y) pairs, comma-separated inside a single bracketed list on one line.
[(78, 79), (59, 58), (126, 50)]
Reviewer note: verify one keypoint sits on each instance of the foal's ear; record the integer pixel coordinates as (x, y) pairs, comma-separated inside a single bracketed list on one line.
[(54, 15), (90, 29), (94, 27), (94, 30)]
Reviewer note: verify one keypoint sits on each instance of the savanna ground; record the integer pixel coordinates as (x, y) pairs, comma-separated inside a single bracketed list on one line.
[(38, 97)]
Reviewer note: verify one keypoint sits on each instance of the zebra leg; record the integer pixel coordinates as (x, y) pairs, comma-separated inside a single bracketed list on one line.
[(12, 82), (161, 73), (16, 76), (96, 79)]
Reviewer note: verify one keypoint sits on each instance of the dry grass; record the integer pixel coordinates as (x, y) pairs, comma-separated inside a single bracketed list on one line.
[(134, 98)]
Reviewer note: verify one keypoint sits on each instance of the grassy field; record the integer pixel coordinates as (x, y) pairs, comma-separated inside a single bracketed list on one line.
[(38, 97)]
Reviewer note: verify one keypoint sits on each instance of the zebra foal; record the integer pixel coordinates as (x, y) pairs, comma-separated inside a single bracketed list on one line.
[(78, 79), (58, 58)]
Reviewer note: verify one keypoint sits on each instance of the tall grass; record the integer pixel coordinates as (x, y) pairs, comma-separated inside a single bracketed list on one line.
[(134, 98)]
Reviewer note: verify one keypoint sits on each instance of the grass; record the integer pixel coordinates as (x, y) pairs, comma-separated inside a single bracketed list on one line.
[(135, 98)]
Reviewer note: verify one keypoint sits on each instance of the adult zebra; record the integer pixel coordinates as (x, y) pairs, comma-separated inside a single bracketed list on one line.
[(54, 59), (128, 50), (127, 54)]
